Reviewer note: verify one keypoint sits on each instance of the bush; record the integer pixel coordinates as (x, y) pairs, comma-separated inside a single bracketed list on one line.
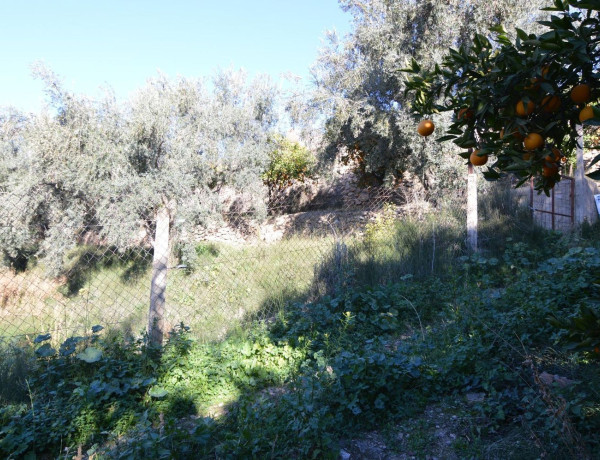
[(288, 161), (16, 364)]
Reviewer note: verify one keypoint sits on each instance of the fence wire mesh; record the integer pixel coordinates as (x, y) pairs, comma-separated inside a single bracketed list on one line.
[(239, 268)]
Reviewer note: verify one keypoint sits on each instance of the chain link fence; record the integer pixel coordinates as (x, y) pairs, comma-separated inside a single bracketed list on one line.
[(240, 268)]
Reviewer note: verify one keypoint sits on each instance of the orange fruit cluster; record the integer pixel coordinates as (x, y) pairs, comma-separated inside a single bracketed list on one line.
[(535, 107)]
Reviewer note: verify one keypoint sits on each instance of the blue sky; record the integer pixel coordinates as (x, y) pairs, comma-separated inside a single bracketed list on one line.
[(123, 42)]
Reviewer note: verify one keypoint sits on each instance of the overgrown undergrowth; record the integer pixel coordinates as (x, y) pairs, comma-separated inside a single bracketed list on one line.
[(512, 334), (402, 320)]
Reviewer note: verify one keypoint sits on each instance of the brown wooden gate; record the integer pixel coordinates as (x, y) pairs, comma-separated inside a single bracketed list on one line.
[(556, 212)]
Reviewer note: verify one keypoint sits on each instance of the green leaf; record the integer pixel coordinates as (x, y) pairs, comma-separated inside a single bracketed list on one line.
[(491, 175), (465, 143), (595, 160), (589, 5), (90, 355), (45, 351), (521, 182), (485, 43), (551, 46), (522, 34), (516, 166), (445, 138), (499, 29), (549, 36), (69, 346), (549, 126), (158, 392), (42, 338)]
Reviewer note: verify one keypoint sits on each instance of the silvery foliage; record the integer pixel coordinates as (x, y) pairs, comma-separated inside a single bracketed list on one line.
[(19, 236), (359, 84), (97, 168)]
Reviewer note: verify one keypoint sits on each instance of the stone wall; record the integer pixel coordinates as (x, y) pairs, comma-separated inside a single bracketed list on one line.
[(339, 189), (334, 204)]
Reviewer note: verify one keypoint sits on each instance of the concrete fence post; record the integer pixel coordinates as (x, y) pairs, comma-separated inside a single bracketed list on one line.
[(158, 284), (471, 208)]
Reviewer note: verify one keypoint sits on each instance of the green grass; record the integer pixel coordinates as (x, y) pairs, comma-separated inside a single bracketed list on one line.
[(106, 295), (232, 285), (226, 287)]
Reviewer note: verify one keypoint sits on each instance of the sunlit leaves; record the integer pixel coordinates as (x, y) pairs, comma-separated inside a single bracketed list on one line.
[(90, 355)]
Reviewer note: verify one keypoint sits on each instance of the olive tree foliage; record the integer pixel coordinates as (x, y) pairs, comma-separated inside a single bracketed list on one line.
[(359, 85), (15, 241), (84, 166)]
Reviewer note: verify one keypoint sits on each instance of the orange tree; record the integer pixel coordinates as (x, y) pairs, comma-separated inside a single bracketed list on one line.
[(519, 99)]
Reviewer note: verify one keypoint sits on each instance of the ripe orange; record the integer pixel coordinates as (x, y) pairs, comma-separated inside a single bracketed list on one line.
[(580, 94), (464, 112), (545, 70), (533, 141), (425, 128), (586, 113), (477, 160), (551, 103), (554, 157), (550, 170), (522, 111)]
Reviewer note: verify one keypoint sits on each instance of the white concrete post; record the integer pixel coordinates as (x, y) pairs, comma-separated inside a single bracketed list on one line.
[(158, 284), (472, 208)]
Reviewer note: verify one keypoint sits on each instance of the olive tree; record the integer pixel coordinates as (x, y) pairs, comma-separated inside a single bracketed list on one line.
[(358, 82), (113, 167)]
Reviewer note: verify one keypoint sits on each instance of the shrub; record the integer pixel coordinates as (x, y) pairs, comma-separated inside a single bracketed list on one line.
[(288, 161)]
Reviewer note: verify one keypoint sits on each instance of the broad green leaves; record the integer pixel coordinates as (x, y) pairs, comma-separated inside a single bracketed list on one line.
[(157, 392)]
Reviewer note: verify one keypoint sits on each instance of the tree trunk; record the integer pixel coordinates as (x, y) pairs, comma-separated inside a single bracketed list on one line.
[(158, 285), (472, 209)]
